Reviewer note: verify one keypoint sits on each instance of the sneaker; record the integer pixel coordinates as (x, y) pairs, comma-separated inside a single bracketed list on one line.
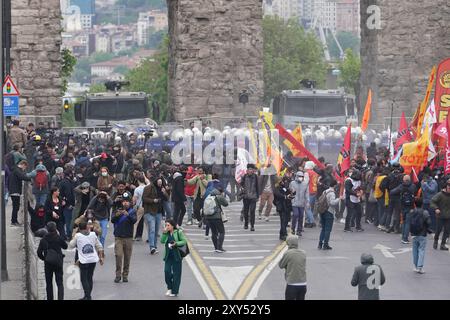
[(117, 279), (206, 237), (348, 230), (219, 251), (15, 224), (125, 279), (267, 220), (421, 271), (259, 217), (299, 234), (326, 247), (405, 242), (283, 238), (154, 251), (253, 229), (189, 223), (319, 246), (415, 269), (359, 230), (293, 232), (169, 292), (200, 224), (245, 227), (173, 295), (444, 248)]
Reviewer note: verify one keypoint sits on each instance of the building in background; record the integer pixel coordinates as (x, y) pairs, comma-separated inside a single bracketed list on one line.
[(155, 20), (286, 9), (348, 16), (313, 13), (87, 12)]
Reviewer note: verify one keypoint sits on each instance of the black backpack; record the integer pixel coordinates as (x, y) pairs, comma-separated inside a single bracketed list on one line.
[(407, 199), (416, 222)]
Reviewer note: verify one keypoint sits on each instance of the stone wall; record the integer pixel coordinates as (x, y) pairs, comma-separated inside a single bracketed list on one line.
[(216, 51), (397, 60), (35, 54)]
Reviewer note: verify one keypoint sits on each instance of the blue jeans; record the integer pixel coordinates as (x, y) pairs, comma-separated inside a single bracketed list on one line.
[(405, 226), (40, 199), (189, 207), (168, 210), (153, 225), (68, 221), (297, 219), (419, 244), (326, 220), (104, 226), (380, 211), (309, 213)]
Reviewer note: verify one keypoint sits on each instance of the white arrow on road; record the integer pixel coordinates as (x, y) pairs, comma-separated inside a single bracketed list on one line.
[(404, 250), (384, 250)]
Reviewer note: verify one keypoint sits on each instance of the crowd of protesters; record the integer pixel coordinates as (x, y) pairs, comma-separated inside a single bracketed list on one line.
[(79, 187)]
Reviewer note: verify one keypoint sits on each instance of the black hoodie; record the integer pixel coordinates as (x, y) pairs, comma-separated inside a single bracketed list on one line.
[(51, 241)]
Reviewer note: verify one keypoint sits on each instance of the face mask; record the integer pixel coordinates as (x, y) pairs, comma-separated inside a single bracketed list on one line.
[(104, 174), (300, 179)]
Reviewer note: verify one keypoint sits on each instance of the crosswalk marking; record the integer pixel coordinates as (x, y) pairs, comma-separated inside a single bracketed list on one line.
[(233, 258), (238, 251)]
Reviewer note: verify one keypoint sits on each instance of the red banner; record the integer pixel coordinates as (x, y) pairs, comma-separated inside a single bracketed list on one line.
[(403, 135), (442, 92), (344, 155), (447, 149), (285, 134)]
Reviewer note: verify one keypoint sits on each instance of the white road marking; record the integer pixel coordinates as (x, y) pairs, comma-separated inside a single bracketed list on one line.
[(200, 279), (235, 245), (236, 235), (403, 250), (253, 294), (328, 258), (230, 278), (384, 250), (241, 258), (237, 251)]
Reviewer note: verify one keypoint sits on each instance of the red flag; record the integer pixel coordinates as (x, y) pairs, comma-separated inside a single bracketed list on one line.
[(403, 135), (441, 131), (283, 132), (442, 92), (366, 117), (447, 149), (344, 155)]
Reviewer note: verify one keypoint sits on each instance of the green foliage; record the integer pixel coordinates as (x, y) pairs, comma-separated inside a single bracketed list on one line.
[(97, 87), (121, 69), (350, 72), (151, 76), (68, 118), (68, 64), (290, 55), (156, 37), (347, 40)]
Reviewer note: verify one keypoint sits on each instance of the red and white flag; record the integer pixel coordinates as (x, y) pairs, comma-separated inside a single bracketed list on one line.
[(447, 148)]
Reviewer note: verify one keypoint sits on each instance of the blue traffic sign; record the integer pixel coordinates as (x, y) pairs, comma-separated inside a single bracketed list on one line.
[(11, 106)]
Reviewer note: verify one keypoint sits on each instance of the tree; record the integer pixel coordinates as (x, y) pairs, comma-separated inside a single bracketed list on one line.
[(97, 87), (68, 64), (347, 40), (350, 73), (290, 55), (121, 69), (151, 76)]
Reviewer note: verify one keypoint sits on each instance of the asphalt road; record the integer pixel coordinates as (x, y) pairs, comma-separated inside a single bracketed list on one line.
[(249, 270)]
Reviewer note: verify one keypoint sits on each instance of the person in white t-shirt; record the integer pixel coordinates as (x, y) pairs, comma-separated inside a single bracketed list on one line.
[(90, 251)]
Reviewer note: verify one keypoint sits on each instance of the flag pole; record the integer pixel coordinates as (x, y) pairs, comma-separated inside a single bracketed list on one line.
[(390, 131)]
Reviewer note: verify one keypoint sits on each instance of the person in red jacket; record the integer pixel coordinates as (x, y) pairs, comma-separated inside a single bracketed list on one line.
[(189, 193)]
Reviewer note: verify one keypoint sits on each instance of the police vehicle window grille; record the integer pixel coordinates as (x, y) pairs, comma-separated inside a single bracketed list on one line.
[(329, 107), (300, 107), (131, 110), (102, 109)]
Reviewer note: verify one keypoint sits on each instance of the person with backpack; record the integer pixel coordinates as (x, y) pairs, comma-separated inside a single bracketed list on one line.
[(300, 202), (251, 192), (212, 211), (380, 194), (90, 251), (50, 251), (200, 181), (429, 189), (440, 203), (40, 178), (173, 240), (326, 207), (101, 206), (123, 219), (393, 212), (67, 187), (407, 191), (420, 227)]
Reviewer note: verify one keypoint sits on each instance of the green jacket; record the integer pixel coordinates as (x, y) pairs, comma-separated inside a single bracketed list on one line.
[(441, 201), (294, 261), (180, 240)]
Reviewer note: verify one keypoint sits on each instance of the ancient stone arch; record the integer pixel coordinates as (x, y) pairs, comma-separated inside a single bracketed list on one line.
[(216, 52)]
